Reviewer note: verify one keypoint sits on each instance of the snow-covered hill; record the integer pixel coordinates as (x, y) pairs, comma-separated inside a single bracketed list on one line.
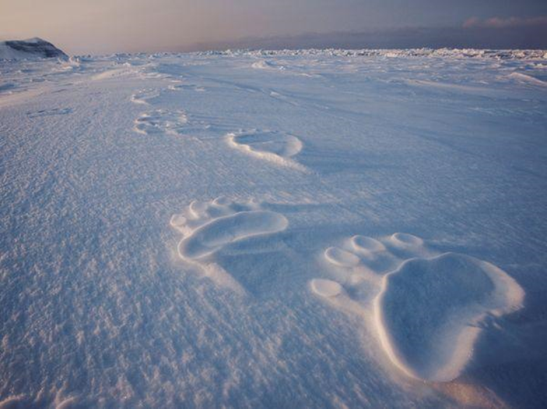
[(289, 229), (34, 48)]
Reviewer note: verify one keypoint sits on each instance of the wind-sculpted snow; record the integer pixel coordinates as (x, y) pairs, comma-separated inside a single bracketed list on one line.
[(425, 308), (144, 96), (113, 74), (530, 79), (266, 65)]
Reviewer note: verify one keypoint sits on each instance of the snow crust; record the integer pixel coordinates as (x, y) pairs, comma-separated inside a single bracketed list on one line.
[(260, 229)]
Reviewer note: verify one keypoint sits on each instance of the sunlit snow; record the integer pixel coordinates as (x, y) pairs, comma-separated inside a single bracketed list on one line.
[(290, 229)]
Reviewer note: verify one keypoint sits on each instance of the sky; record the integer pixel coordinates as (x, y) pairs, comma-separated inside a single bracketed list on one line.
[(106, 26)]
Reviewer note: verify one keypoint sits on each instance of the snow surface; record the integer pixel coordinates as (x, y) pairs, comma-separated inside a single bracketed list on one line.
[(309, 228)]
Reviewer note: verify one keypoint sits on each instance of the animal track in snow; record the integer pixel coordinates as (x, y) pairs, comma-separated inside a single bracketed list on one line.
[(266, 65), (182, 86), (144, 96), (161, 121), (425, 308), (208, 227), (274, 146), (8, 87), (49, 112)]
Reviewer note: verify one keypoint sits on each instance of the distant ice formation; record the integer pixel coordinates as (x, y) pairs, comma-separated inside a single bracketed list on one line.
[(415, 52)]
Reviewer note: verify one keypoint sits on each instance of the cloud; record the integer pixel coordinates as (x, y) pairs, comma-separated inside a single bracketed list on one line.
[(509, 22)]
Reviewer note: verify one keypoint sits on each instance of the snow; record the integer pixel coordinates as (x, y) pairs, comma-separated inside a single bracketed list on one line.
[(326, 288), (264, 229), (426, 307), (31, 49), (269, 145), (160, 121)]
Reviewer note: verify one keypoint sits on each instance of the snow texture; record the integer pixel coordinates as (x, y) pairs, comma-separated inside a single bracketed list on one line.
[(427, 308), (274, 229)]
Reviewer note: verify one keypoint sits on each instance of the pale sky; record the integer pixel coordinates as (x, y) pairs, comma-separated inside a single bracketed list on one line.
[(104, 26)]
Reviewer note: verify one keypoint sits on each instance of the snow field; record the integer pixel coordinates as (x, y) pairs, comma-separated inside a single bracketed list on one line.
[(251, 263)]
